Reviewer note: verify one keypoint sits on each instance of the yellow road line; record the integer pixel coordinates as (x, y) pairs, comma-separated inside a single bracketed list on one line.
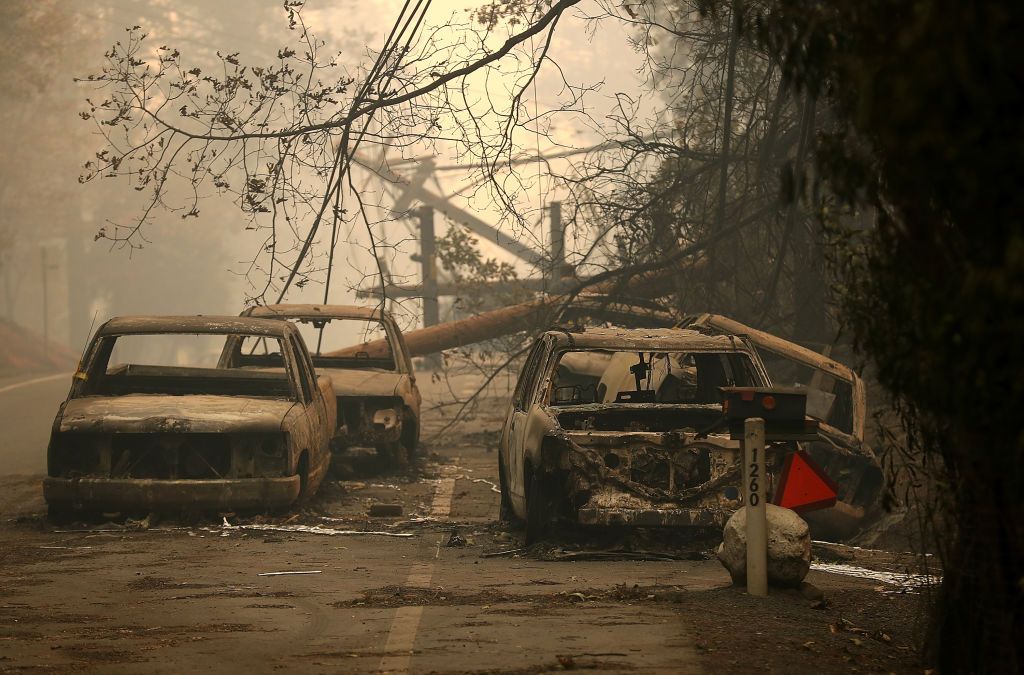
[(402, 634), (38, 380)]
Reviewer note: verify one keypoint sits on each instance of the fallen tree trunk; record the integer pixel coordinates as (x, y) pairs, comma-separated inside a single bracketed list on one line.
[(498, 322)]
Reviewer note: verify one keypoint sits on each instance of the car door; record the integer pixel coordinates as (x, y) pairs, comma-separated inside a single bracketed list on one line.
[(513, 433), (404, 363), (316, 409)]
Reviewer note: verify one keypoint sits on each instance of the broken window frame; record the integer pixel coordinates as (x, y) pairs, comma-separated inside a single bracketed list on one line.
[(802, 356), (96, 361)]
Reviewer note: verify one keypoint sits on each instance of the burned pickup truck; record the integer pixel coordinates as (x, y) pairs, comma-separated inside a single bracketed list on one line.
[(377, 401), (151, 423), (625, 427)]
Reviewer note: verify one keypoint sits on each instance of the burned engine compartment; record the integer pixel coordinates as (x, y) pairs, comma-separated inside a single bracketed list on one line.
[(167, 456)]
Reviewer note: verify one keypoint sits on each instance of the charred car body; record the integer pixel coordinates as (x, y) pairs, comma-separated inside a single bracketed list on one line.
[(624, 427), (377, 401), (140, 431)]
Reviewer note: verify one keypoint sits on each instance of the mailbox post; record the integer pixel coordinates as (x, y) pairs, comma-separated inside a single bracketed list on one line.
[(757, 513), (756, 415)]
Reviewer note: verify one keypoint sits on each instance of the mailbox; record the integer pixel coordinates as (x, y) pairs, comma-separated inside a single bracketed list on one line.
[(784, 411)]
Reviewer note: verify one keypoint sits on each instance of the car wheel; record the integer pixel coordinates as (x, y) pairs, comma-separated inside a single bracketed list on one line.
[(62, 514), (410, 436), (393, 455), (540, 511), (505, 511), (304, 487)]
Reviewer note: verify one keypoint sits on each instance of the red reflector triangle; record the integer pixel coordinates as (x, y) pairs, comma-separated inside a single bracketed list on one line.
[(804, 485)]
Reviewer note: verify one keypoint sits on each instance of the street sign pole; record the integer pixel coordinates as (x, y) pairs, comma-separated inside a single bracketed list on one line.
[(754, 480)]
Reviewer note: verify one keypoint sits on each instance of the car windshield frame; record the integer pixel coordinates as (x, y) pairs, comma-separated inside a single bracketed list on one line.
[(97, 379), (545, 392), (394, 364)]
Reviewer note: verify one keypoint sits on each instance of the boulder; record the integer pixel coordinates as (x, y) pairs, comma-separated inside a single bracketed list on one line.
[(789, 547)]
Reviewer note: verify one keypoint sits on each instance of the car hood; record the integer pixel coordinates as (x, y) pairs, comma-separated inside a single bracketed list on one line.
[(363, 382), (176, 414)]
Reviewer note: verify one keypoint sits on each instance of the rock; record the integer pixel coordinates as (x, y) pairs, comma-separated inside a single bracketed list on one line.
[(789, 547)]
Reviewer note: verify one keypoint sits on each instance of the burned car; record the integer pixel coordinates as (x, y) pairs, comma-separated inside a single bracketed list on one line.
[(151, 422), (377, 400), (837, 400), (625, 428)]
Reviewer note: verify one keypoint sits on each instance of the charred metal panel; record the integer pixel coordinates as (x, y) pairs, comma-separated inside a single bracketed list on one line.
[(145, 413), (168, 456), (159, 494)]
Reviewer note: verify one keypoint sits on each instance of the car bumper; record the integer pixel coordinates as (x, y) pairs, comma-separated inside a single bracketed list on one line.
[(239, 493), (623, 517)]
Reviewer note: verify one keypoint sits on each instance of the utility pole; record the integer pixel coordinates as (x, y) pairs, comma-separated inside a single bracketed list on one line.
[(428, 262), (557, 244), (46, 305)]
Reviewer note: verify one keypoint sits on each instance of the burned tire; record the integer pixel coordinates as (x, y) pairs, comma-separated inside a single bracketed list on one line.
[(393, 455), (505, 512), (410, 436), (541, 496), (304, 488), (62, 514)]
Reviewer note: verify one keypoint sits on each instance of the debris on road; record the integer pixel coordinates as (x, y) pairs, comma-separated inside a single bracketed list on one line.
[(70, 548), (616, 554), (501, 554), (316, 529), (455, 540), (904, 582), (844, 625), (285, 574), (385, 510), (494, 486)]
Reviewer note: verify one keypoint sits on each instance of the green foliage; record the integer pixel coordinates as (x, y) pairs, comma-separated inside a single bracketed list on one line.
[(483, 283), (512, 12), (458, 254)]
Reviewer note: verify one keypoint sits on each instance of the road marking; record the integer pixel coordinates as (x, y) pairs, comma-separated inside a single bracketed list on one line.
[(401, 637), (405, 624), (38, 380), (420, 575), (441, 507)]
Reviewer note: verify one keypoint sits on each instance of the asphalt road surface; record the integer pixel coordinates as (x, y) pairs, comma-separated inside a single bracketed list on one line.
[(28, 404), (444, 588)]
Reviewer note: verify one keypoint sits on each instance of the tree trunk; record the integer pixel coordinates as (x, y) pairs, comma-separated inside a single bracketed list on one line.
[(978, 627)]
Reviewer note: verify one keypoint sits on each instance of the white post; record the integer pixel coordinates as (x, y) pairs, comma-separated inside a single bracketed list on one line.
[(757, 514)]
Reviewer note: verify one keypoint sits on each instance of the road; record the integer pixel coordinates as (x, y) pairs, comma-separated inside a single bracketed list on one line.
[(27, 406), (179, 596)]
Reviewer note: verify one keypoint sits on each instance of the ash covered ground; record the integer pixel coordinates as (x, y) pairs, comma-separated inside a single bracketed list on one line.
[(443, 587)]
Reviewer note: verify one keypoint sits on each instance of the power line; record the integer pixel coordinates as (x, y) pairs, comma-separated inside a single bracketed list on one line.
[(343, 157)]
